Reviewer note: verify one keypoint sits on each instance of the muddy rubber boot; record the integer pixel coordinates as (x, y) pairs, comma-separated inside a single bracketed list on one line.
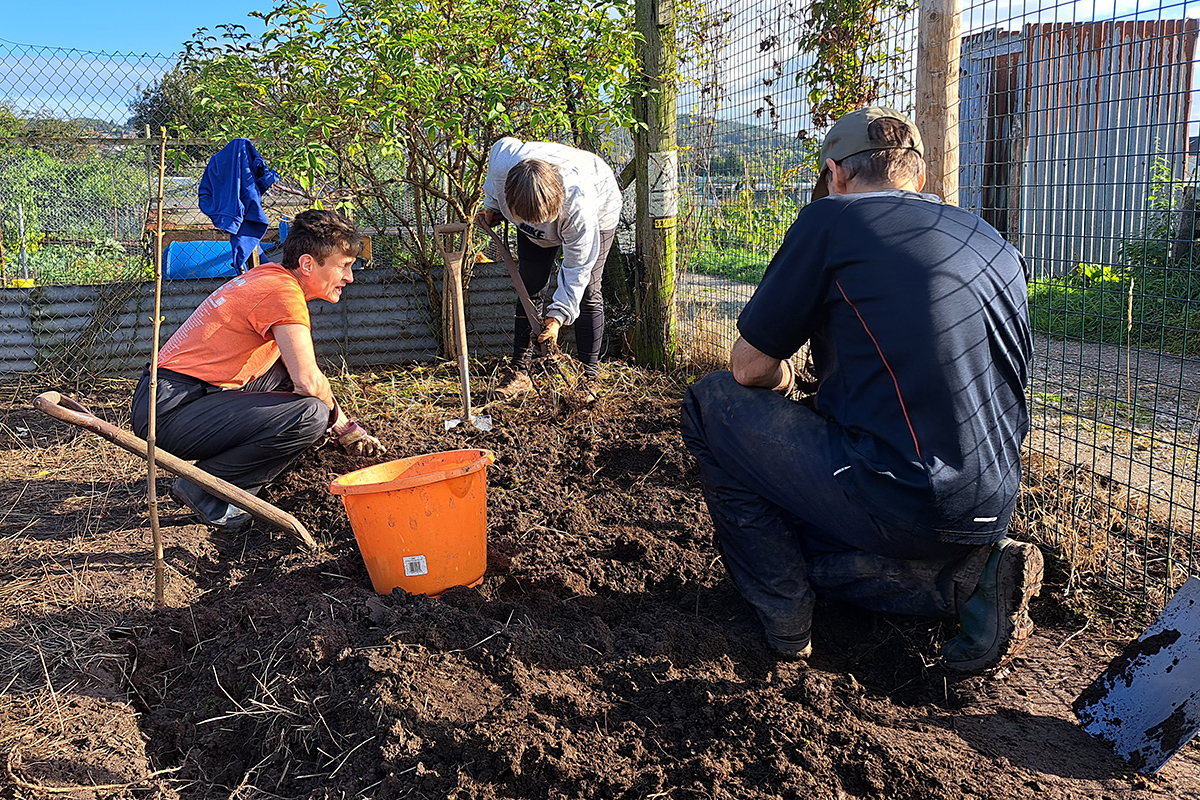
[(995, 619), (213, 511), (514, 384)]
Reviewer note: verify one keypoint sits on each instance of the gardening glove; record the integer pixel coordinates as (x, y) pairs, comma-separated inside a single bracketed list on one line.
[(491, 217), (353, 439), (549, 334)]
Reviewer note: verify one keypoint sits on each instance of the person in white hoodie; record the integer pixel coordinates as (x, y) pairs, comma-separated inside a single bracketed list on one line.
[(560, 199)]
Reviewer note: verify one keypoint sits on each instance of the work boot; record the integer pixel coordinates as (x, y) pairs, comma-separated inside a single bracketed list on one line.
[(798, 646), (589, 391), (995, 619), (514, 384), (213, 511)]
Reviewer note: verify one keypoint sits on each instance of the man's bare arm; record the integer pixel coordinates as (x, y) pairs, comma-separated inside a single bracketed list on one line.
[(753, 367), (296, 349)]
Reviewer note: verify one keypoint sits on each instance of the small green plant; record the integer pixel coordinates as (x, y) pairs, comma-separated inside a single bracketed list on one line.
[(1097, 274), (1046, 397), (1150, 300)]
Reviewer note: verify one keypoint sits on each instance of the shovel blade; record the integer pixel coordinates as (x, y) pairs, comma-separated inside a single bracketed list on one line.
[(483, 422), (1147, 703)]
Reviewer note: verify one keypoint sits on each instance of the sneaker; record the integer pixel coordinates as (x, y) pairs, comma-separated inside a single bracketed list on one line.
[(513, 384), (793, 647), (995, 619), (213, 511)]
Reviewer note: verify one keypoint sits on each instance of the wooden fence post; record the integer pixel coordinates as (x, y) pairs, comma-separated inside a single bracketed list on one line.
[(657, 185), (939, 45)]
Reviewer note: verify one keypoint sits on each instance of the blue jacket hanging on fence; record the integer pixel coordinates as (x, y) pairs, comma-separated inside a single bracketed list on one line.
[(231, 193)]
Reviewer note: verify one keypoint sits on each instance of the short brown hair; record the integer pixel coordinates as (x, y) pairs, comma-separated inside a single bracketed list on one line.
[(534, 190), (897, 160), (320, 233)]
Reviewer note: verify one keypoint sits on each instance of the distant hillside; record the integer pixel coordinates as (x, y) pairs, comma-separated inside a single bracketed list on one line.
[(726, 147), (100, 127), (720, 133)]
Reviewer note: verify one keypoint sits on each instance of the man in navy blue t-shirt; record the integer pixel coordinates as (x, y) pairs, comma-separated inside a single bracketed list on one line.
[(892, 485)]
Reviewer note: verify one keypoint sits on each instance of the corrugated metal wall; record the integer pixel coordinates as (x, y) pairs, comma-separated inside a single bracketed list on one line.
[(1084, 114), (1102, 100), (106, 330), (17, 353)]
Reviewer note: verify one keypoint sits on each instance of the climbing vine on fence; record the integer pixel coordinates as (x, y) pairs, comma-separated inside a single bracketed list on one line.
[(851, 59)]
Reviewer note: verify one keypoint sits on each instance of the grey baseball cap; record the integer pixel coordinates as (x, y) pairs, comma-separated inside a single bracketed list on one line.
[(848, 137)]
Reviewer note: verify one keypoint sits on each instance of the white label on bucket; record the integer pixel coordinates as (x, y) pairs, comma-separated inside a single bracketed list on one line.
[(415, 565)]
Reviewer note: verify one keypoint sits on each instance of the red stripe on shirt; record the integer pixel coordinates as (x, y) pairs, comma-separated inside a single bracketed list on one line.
[(883, 358)]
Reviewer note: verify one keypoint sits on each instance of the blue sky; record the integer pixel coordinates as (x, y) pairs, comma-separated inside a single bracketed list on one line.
[(132, 26), (83, 58)]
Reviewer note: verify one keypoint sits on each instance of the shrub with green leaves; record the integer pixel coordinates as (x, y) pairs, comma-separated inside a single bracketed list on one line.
[(390, 107), (751, 225), (100, 261)]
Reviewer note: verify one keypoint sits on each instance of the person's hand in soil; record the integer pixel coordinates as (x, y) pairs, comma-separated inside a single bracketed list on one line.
[(354, 440)]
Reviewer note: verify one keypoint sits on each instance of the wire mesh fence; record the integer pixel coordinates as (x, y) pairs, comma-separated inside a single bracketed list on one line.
[(748, 127), (1077, 144), (1077, 141)]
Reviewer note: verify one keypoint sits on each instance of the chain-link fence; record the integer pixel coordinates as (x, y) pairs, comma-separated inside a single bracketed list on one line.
[(74, 190), (1077, 141)]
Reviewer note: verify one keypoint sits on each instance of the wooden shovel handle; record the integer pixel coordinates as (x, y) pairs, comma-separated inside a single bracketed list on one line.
[(65, 409), (450, 229), (514, 274)]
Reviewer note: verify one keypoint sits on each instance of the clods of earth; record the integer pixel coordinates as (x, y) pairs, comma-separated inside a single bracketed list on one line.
[(604, 655)]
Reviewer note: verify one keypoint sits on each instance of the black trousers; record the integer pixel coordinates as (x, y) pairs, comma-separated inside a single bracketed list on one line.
[(786, 529), (536, 265), (246, 436)]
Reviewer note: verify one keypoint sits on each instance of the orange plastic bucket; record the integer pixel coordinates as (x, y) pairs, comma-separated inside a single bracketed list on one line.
[(421, 522)]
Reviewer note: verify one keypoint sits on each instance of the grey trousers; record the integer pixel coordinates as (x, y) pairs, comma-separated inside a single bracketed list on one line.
[(787, 531), (246, 436)]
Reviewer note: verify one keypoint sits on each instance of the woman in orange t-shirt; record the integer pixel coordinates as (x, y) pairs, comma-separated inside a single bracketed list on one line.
[(239, 389)]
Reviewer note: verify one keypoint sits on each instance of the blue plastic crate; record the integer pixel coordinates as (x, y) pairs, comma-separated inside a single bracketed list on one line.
[(183, 260)]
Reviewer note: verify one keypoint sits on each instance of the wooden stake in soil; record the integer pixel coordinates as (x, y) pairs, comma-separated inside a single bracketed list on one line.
[(151, 467)]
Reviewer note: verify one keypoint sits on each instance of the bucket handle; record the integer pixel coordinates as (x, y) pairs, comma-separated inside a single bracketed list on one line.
[(416, 480)]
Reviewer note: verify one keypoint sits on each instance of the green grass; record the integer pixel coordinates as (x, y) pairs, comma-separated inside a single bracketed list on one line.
[(734, 263), (1094, 305), (1046, 397)]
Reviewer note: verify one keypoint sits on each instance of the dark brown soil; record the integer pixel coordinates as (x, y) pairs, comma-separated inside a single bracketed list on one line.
[(605, 654)]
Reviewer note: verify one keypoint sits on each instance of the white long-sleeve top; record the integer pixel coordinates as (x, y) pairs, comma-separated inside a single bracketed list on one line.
[(592, 204)]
